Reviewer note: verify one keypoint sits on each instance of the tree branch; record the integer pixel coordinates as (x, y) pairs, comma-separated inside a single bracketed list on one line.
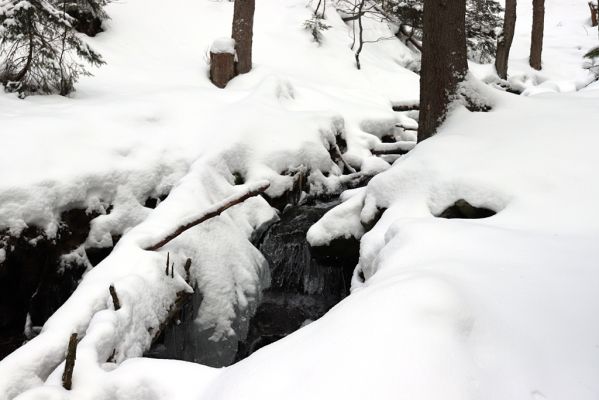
[(69, 367), (214, 211)]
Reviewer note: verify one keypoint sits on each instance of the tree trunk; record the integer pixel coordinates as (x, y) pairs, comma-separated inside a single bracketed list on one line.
[(243, 30), (504, 42), (360, 35), (444, 62), (536, 42)]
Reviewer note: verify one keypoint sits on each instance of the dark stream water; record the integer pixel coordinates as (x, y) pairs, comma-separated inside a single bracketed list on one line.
[(305, 284)]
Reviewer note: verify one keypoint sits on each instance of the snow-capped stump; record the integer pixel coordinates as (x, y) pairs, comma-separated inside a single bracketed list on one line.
[(463, 210), (222, 61)]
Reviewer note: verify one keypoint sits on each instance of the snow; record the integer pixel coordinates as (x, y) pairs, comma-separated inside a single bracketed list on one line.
[(150, 123), (223, 45), (500, 308)]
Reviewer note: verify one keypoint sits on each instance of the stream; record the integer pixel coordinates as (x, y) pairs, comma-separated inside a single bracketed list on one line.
[(305, 284)]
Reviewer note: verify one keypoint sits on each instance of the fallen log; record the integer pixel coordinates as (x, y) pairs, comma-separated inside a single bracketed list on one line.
[(398, 148), (406, 107), (409, 36), (214, 211), (173, 313)]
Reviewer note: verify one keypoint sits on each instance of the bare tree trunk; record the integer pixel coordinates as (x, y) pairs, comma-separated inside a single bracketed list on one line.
[(593, 7), (444, 62), (360, 35), (243, 31), (504, 42), (536, 42)]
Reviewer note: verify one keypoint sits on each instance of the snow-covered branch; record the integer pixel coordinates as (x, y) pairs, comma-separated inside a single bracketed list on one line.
[(251, 190)]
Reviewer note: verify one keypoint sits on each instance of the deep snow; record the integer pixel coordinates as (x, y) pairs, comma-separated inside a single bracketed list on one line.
[(479, 309)]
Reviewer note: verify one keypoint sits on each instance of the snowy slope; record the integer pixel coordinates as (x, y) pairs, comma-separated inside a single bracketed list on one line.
[(502, 308), (151, 110), (150, 122)]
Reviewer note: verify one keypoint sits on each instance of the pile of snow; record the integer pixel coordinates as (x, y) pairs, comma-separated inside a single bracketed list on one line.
[(223, 45)]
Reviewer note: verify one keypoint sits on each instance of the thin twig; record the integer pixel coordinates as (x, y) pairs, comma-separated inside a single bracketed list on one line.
[(115, 298)]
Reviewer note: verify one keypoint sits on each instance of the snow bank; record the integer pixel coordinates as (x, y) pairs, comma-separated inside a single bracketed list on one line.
[(149, 123)]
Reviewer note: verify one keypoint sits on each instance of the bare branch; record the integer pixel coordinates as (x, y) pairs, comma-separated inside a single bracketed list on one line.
[(115, 298), (69, 367), (214, 211)]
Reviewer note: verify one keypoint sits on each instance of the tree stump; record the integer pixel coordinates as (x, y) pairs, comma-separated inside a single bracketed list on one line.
[(594, 6), (222, 62)]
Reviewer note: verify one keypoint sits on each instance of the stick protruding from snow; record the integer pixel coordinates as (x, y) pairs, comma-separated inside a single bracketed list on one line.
[(251, 190), (69, 367)]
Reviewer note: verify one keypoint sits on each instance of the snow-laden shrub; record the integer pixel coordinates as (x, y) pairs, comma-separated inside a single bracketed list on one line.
[(593, 61), (88, 15), (39, 50)]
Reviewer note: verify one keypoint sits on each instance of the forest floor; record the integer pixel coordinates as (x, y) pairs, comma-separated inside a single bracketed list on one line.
[(494, 308)]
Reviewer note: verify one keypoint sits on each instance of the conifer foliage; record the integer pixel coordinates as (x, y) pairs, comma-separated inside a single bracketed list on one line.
[(483, 21), (39, 50)]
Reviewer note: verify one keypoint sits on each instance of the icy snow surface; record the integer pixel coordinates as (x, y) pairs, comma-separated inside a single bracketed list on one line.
[(501, 308)]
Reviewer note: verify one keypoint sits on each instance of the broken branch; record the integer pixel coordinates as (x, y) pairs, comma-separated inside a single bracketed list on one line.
[(115, 298), (69, 367), (393, 148), (214, 211)]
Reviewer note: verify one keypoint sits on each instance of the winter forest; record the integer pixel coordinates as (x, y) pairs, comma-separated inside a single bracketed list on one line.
[(299, 199)]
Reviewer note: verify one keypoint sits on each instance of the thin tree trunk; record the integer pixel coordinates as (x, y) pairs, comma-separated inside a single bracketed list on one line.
[(538, 24), (360, 35), (444, 62), (243, 31), (504, 42)]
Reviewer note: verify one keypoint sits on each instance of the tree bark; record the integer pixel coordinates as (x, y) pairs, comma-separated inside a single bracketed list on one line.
[(243, 30), (593, 8), (444, 61), (538, 25), (504, 42)]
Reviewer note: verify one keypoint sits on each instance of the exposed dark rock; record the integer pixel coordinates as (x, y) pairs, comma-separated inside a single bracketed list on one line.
[(33, 280), (464, 210), (96, 254)]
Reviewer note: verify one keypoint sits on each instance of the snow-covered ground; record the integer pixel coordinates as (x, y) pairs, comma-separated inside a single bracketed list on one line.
[(459, 309)]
